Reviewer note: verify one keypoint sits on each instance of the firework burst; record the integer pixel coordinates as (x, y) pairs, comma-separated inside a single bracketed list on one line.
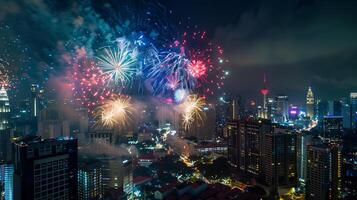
[(192, 111), (115, 111), (119, 63)]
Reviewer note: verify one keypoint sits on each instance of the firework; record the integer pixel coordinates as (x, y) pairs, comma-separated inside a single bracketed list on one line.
[(119, 63), (87, 82), (197, 68), (114, 111), (192, 111)]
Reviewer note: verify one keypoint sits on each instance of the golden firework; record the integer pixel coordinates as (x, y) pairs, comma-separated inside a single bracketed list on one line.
[(192, 111), (115, 111)]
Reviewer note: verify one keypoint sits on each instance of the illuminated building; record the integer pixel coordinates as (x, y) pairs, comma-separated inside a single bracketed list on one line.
[(4, 109), (333, 127), (346, 112), (117, 173), (310, 102), (251, 144), (34, 100), (45, 168), (245, 146), (90, 180), (303, 141), (279, 156), (264, 91), (6, 179), (281, 109), (323, 179), (353, 112), (293, 112)]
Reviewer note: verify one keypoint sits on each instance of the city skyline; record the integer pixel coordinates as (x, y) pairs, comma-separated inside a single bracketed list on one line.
[(141, 100)]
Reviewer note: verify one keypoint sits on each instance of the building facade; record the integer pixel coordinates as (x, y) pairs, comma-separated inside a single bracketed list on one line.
[(45, 168), (323, 180)]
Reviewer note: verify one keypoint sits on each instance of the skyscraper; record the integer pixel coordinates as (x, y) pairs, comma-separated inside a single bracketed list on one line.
[(264, 91), (279, 157), (304, 139), (90, 180), (281, 109), (45, 168), (353, 113), (310, 102), (34, 100), (4, 109), (323, 179), (6, 179)]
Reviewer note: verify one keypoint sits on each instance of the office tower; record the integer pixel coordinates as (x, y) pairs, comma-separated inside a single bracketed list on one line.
[(304, 139), (90, 179), (249, 146), (323, 180), (6, 180), (245, 140), (264, 91), (353, 112), (346, 111), (333, 127), (34, 100), (45, 168), (232, 129), (281, 109), (116, 170), (4, 109), (279, 155), (128, 186), (310, 102)]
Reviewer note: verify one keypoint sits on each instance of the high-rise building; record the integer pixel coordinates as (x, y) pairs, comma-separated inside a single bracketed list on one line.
[(34, 100), (310, 102), (304, 139), (281, 109), (90, 179), (264, 91), (322, 109), (333, 127), (323, 179), (353, 112), (4, 109), (6, 180), (279, 156), (346, 111), (45, 168), (251, 144), (246, 140)]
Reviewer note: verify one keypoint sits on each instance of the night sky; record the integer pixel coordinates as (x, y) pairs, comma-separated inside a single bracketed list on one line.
[(296, 43)]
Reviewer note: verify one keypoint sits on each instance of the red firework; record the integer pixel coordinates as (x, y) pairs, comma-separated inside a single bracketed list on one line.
[(88, 83)]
